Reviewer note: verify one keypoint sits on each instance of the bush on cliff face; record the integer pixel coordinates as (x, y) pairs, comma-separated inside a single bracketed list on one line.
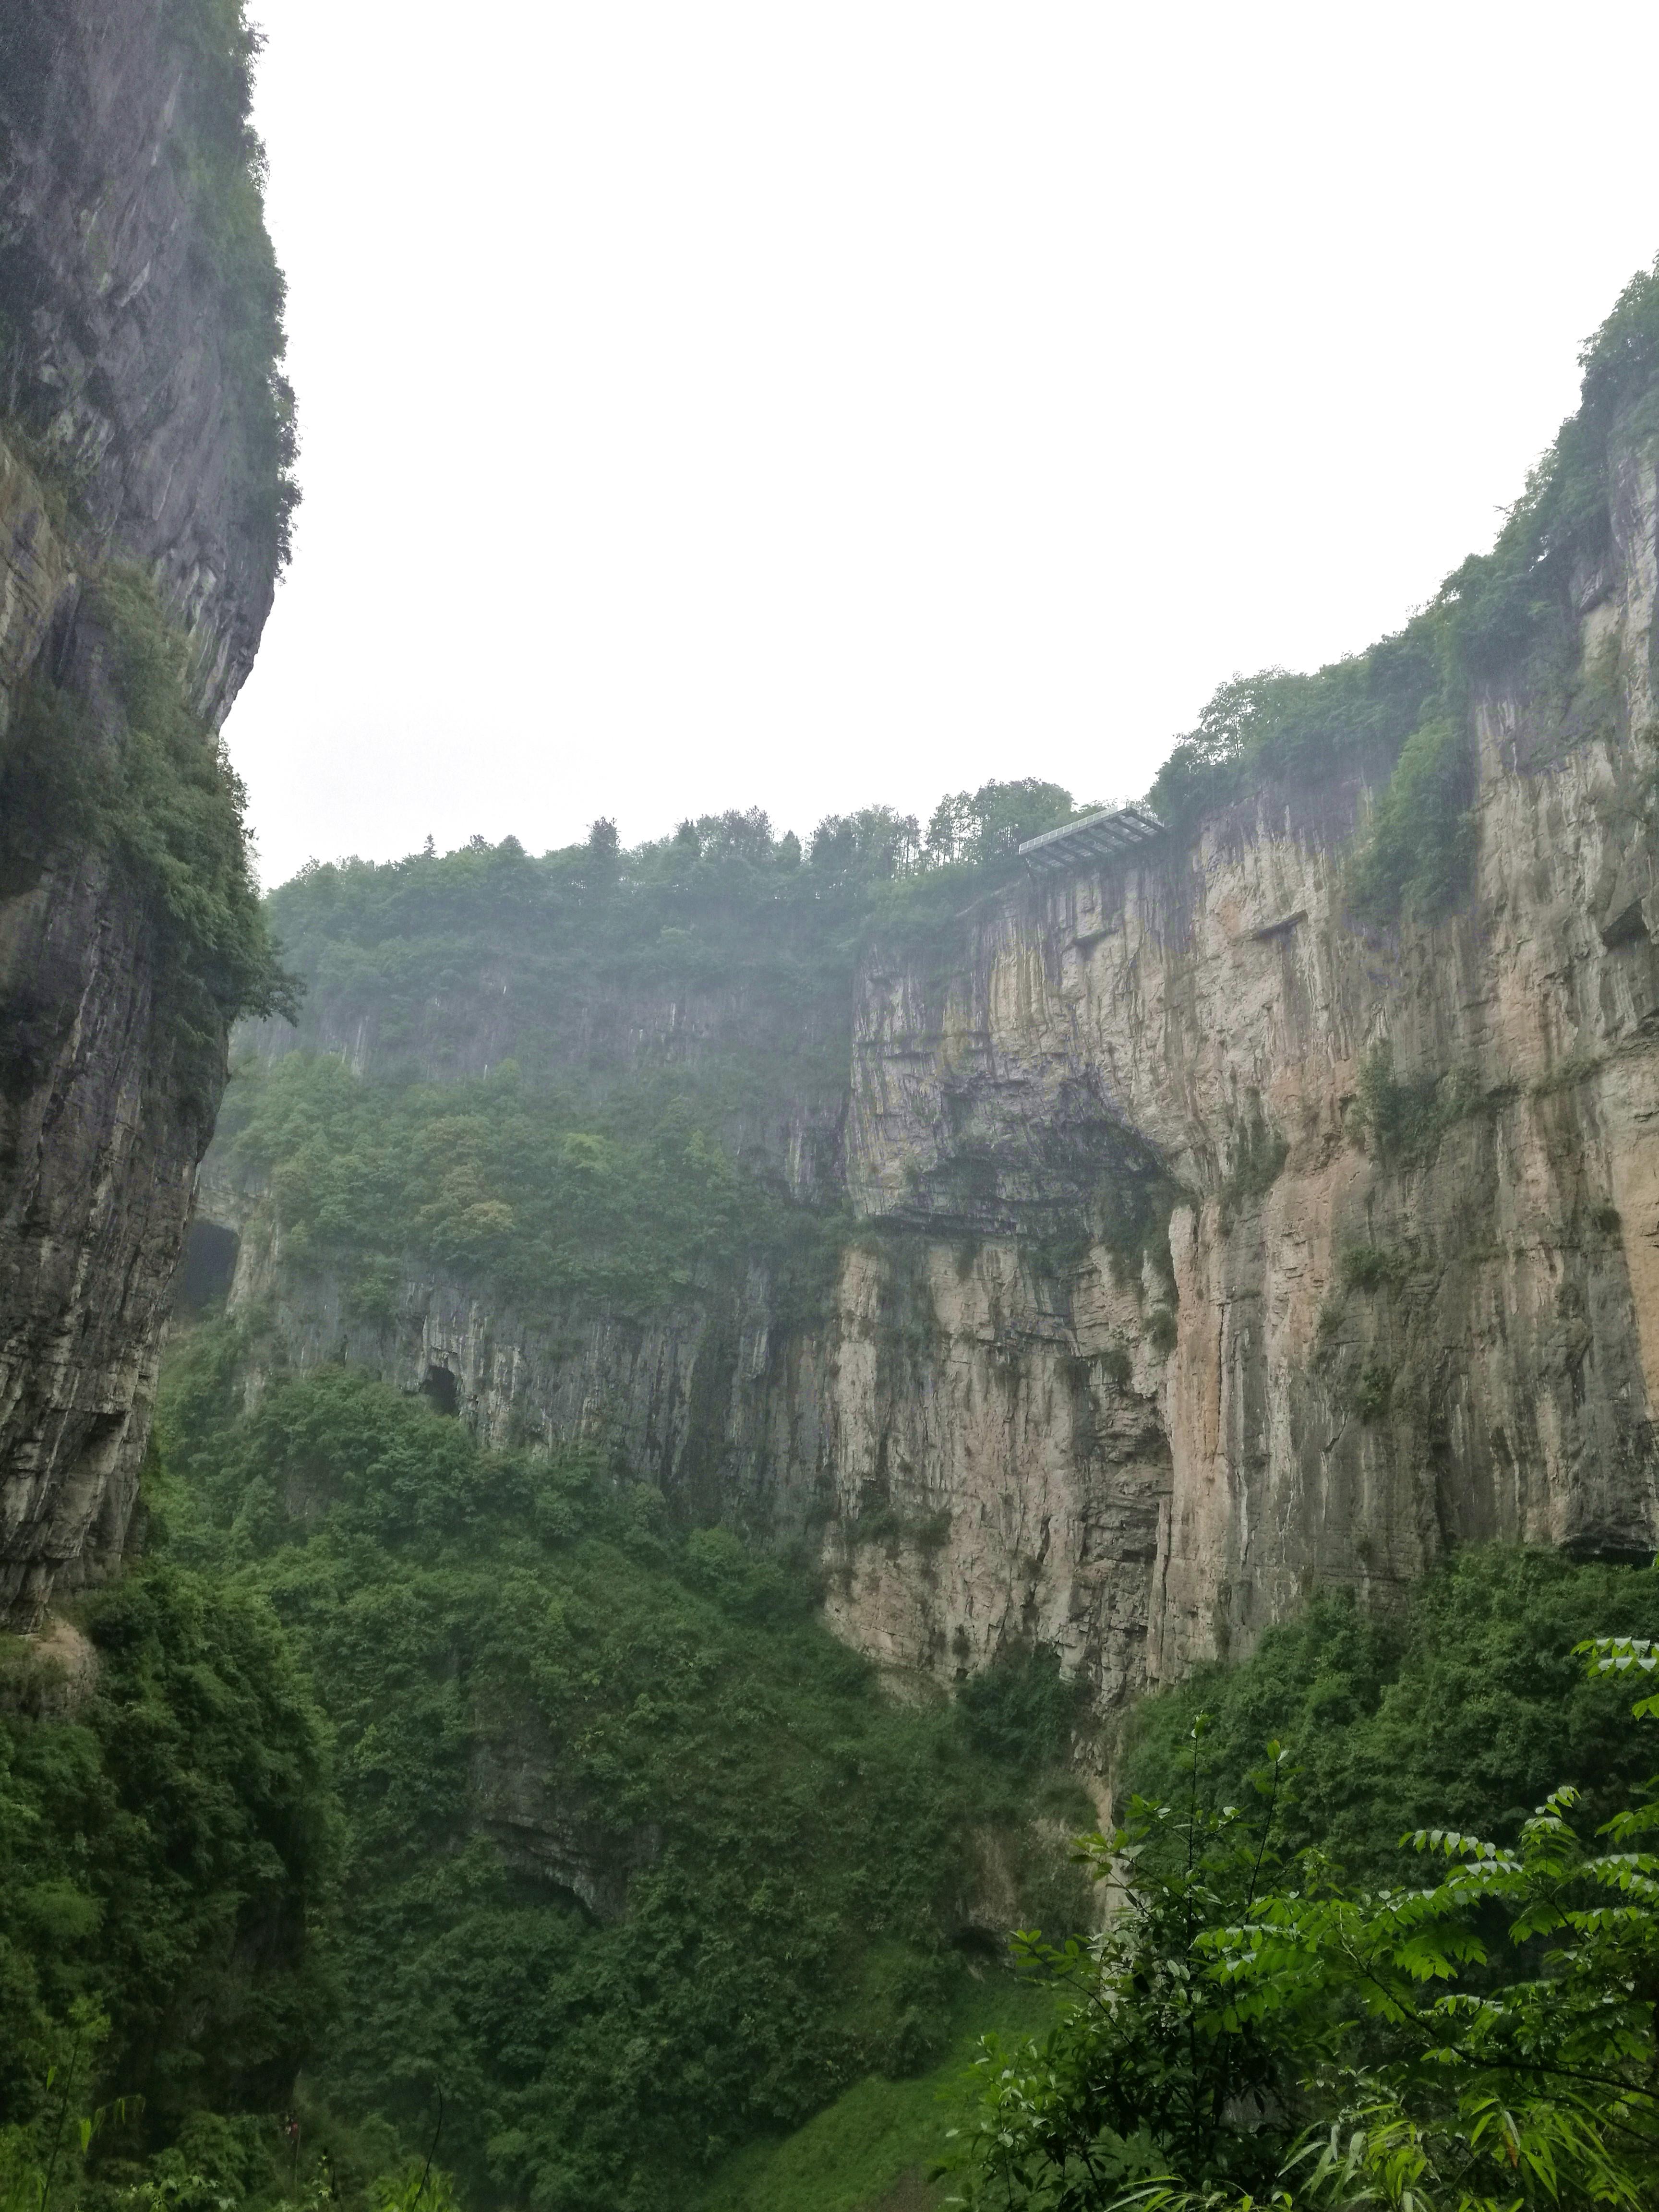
[(163, 801), (640, 1863), (174, 816), (1417, 858)]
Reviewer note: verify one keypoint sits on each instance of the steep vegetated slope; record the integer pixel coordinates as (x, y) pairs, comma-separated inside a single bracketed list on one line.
[(1097, 1262), (145, 448), (1462, 1708), (472, 1784)]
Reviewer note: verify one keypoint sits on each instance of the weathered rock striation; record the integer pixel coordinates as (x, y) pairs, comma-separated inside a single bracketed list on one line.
[(142, 432), (1208, 1245)]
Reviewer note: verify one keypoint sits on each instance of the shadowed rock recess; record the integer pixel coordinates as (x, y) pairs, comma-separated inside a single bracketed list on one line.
[(145, 442), (1203, 1229)]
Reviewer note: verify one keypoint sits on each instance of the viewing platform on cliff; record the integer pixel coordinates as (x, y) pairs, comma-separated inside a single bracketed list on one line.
[(1103, 837)]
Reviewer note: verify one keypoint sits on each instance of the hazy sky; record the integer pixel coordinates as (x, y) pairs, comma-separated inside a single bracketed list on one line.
[(801, 405)]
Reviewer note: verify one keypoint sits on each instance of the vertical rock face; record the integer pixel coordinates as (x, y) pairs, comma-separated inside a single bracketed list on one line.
[(1391, 1330), (141, 428), (1207, 1244)]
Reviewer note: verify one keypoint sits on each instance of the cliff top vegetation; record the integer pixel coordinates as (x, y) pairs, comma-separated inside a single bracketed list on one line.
[(680, 912), (725, 908), (586, 1071), (1402, 712)]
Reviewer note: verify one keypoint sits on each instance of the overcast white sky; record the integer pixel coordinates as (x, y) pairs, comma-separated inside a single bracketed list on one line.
[(801, 404)]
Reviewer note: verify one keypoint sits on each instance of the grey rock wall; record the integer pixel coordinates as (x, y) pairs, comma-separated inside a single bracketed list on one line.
[(1143, 1447), (120, 440)]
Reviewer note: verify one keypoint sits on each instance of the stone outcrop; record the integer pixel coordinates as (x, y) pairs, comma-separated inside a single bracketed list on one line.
[(132, 430)]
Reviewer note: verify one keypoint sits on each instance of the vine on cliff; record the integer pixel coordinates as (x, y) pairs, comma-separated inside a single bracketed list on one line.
[(223, 164)]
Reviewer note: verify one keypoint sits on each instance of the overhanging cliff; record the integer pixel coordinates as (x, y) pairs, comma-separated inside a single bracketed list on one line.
[(145, 445)]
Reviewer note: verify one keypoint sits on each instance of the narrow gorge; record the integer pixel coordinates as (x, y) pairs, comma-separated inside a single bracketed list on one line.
[(617, 1464)]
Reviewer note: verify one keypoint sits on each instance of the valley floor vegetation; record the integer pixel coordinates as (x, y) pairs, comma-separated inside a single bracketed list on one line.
[(556, 1844), (513, 1813)]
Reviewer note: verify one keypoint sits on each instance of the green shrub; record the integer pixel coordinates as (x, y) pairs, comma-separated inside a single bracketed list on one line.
[(174, 815), (163, 801), (1162, 1331), (1463, 1707), (1418, 858), (1021, 1711), (1405, 1117), (1373, 1390), (1259, 1152), (1375, 1267)]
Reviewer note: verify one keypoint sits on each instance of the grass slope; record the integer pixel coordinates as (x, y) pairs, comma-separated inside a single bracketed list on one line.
[(870, 2150)]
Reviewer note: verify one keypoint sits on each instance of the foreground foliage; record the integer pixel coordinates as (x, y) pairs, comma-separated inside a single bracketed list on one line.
[(1253, 2028)]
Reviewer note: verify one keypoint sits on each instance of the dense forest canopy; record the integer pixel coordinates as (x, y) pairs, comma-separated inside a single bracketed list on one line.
[(279, 1828), (288, 1826)]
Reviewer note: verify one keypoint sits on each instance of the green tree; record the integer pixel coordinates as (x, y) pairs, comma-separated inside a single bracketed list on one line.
[(1249, 2029)]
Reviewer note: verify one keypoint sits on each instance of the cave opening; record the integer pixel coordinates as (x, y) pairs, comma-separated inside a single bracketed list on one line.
[(440, 1388), (209, 1267)]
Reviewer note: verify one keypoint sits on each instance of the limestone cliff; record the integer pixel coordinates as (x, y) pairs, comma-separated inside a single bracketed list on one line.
[(1208, 1242), (144, 448)]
